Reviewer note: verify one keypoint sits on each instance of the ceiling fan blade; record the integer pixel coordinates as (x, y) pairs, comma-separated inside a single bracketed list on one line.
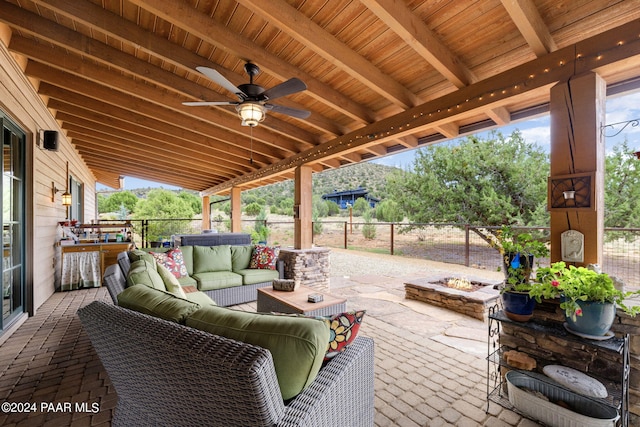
[(207, 103), (293, 112), (222, 81), (285, 88)]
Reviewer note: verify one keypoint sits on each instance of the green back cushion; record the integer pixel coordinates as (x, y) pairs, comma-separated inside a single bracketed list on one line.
[(145, 273), (137, 254), (241, 257), (211, 258), (156, 303), (187, 254), (297, 344)]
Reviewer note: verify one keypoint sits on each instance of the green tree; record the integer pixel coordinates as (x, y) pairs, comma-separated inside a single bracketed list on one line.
[(500, 180), (194, 201), (622, 188), (389, 211), (253, 209), (333, 208), (163, 204), (115, 201), (320, 207), (368, 229), (360, 206)]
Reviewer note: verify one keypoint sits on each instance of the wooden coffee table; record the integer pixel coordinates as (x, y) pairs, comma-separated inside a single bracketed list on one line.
[(270, 300)]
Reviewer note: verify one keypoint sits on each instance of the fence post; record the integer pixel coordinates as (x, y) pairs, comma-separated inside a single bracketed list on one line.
[(466, 245), (345, 234), (392, 228)]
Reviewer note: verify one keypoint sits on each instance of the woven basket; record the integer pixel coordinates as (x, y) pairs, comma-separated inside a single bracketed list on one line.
[(288, 285)]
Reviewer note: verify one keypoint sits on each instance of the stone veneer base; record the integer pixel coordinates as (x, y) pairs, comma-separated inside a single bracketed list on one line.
[(475, 304)]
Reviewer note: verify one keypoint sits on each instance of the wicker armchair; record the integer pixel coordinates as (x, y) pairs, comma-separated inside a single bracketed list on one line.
[(168, 374)]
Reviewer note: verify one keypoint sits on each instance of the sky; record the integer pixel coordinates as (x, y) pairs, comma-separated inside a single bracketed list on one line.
[(620, 108)]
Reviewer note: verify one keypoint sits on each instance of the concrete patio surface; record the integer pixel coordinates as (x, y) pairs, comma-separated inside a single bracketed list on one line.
[(430, 362)]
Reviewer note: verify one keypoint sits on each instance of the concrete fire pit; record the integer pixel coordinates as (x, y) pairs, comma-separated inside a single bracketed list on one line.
[(474, 302)]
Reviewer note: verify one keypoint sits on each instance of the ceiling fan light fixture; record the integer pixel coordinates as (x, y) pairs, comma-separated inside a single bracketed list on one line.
[(251, 113)]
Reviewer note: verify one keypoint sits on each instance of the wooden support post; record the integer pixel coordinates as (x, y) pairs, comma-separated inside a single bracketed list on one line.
[(577, 147), (236, 210), (303, 208), (206, 213)]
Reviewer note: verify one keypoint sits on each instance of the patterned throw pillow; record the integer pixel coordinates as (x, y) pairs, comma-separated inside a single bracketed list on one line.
[(264, 257), (343, 329), (173, 260)]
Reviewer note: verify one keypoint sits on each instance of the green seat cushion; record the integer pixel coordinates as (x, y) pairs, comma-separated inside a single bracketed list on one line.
[(211, 258), (200, 298), (297, 344), (137, 255), (217, 280), (145, 273), (154, 302), (241, 257), (257, 275), (188, 281)]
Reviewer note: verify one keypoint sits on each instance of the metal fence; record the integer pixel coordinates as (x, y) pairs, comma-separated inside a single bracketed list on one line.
[(450, 243)]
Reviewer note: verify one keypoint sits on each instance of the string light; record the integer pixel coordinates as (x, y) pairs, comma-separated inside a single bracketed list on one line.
[(417, 116)]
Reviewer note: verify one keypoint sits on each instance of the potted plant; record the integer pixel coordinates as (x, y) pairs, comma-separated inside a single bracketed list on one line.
[(518, 253), (588, 298)]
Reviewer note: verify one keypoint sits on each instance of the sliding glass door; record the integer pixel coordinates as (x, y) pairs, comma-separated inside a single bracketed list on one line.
[(13, 221)]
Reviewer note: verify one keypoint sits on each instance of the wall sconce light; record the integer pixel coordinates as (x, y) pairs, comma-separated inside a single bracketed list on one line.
[(66, 196), (569, 194)]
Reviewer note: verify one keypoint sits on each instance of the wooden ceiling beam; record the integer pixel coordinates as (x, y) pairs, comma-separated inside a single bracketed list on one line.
[(159, 149), (492, 92), (202, 26), (176, 138), (303, 29), (413, 31), (449, 130), (524, 14), (112, 58), (134, 110), (118, 153), (500, 116), (125, 31)]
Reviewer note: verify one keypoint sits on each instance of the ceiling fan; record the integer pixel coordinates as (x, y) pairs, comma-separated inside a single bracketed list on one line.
[(253, 99)]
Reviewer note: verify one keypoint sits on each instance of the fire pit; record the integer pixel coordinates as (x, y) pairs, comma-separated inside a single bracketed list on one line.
[(470, 296)]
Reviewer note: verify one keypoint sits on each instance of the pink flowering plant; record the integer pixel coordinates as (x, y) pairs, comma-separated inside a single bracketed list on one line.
[(578, 284)]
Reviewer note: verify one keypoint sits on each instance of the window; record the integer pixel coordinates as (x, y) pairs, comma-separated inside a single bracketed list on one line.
[(76, 210)]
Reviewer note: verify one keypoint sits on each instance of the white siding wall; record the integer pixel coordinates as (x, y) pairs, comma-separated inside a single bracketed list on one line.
[(20, 101)]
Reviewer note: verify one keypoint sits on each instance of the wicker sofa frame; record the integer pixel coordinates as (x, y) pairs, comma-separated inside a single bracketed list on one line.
[(169, 374), (223, 297)]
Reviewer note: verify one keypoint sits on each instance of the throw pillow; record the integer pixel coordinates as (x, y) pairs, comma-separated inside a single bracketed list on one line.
[(343, 328), (173, 260), (170, 281), (264, 257)]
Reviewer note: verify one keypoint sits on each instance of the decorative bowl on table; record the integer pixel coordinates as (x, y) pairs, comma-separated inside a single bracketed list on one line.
[(287, 285)]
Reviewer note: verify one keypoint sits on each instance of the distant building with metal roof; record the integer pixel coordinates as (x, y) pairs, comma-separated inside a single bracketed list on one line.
[(349, 197)]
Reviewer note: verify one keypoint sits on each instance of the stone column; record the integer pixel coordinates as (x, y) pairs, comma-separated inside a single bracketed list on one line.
[(311, 266)]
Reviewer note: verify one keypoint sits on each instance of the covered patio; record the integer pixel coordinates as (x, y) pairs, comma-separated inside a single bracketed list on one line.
[(438, 377), (93, 91)]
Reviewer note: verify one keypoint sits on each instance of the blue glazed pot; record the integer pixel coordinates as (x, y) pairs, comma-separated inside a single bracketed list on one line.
[(596, 319), (518, 306)]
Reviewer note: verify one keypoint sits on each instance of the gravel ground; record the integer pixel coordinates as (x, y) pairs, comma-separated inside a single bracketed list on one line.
[(348, 263)]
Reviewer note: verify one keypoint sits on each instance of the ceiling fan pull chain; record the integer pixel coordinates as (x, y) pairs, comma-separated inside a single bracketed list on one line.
[(251, 145)]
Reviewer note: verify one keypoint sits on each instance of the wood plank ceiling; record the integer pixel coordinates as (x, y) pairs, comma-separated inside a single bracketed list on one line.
[(381, 75)]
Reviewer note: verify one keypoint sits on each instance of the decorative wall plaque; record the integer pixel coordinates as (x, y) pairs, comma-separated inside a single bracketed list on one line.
[(567, 192), (572, 246)]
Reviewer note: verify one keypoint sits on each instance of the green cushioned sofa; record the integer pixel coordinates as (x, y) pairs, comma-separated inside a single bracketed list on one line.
[(221, 272), (174, 362)]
